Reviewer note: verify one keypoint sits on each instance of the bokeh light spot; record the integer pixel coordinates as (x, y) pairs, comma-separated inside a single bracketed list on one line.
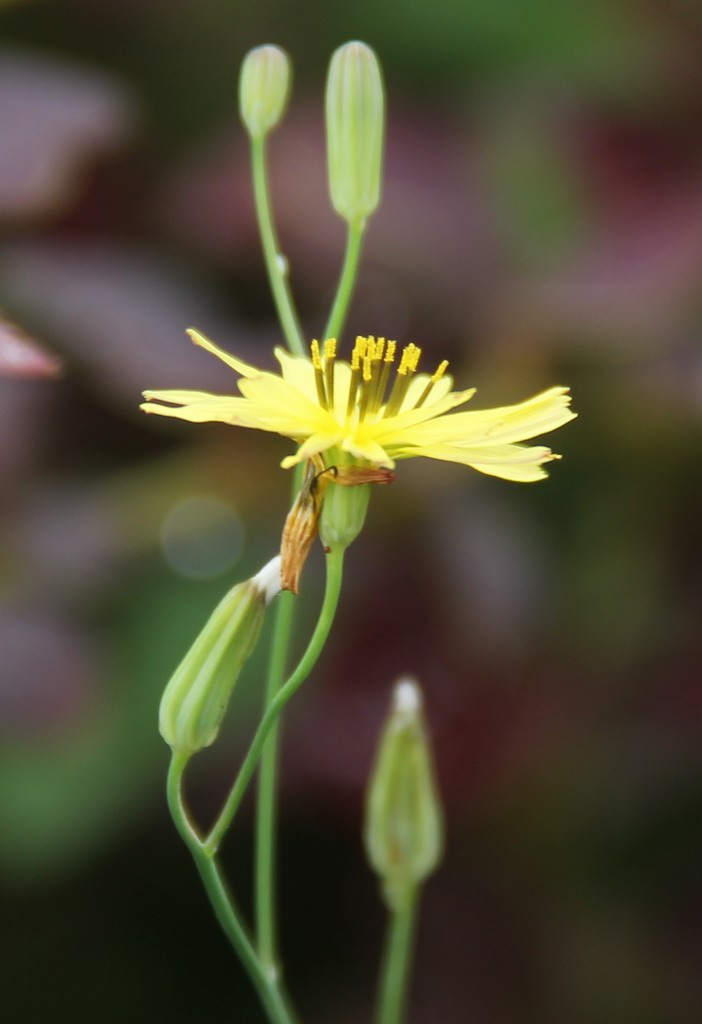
[(202, 537)]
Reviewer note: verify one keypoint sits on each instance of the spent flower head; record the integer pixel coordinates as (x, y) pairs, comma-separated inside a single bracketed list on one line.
[(372, 412)]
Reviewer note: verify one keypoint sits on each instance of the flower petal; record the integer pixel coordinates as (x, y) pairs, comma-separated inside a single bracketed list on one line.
[(245, 369), (180, 397), (521, 463), (509, 424), (364, 447), (298, 372), (199, 407), (312, 446), (276, 401), (394, 429), (418, 387)]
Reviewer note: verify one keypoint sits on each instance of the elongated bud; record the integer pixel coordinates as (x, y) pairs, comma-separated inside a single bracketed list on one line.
[(196, 697), (404, 824), (264, 86), (355, 114)]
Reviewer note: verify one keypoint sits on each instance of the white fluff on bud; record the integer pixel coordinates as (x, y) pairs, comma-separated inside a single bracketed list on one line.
[(268, 580)]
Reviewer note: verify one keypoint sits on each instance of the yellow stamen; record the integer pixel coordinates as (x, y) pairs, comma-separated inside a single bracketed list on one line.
[(407, 367), (370, 368), (318, 374), (436, 376), (329, 357), (358, 354), (359, 350), (414, 357), (404, 360), (439, 371), (380, 372), (384, 374)]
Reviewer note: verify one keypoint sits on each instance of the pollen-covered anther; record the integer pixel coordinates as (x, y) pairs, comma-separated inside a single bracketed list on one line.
[(436, 376), (405, 371), (370, 378), (382, 380), (439, 371), (357, 356)]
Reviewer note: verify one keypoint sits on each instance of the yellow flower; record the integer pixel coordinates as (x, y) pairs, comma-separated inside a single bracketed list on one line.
[(375, 409)]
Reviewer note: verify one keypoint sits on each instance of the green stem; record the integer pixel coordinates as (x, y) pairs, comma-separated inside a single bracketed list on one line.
[(397, 959), (347, 280), (266, 796), (266, 808), (276, 263), (335, 564), (266, 982)]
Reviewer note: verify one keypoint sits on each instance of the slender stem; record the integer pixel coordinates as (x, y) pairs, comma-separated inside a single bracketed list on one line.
[(397, 960), (335, 563), (347, 280), (266, 797), (266, 810), (276, 263), (266, 982)]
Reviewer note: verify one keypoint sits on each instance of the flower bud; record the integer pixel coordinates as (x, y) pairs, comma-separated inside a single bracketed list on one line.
[(264, 86), (355, 114), (196, 697), (404, 825)]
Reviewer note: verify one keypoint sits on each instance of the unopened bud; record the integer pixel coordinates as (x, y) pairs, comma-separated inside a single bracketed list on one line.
[(355, 115), (404, 824), (264, 85), (196, 697)]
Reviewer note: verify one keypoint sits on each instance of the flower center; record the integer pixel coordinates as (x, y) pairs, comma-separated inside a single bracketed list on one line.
[(372, 363)]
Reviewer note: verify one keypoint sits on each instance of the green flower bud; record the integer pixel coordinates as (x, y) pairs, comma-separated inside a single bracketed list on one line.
[(264, 86), (404, 824), (355, 114), (196, 697), (343, 514)]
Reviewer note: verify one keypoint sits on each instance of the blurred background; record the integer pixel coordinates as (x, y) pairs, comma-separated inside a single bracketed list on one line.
[(541, 224)]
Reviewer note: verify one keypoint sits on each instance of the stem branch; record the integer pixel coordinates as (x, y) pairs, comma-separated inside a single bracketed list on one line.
[(347, 280), (276, 262), (266, 982), (335, 562)]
